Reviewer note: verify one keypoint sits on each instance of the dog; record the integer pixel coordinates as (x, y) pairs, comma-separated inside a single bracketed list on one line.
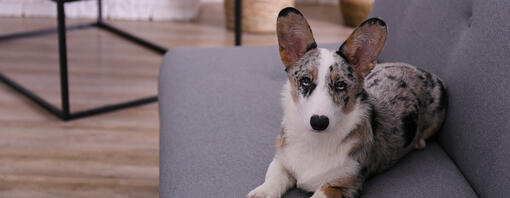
[(345, 116)]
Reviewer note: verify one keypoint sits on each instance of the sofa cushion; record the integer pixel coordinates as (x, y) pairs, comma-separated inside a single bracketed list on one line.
[(467, 43), (220, 114), (427, 173)]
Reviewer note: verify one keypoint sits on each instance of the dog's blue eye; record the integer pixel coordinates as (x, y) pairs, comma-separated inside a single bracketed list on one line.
[(340, 86), (305, 81)]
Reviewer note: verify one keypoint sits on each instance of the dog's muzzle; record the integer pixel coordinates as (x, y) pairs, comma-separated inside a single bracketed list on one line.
[(319, 123)]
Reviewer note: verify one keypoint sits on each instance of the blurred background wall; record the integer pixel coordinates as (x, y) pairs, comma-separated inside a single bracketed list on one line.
[(117, 9)]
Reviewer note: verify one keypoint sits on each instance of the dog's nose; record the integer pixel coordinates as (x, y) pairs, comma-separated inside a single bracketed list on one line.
[(319, 123)]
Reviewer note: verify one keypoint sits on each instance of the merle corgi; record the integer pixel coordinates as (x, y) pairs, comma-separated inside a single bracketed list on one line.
[(346, 117)]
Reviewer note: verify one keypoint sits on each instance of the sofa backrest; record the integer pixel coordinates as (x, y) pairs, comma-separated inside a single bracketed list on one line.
[(467, 43)]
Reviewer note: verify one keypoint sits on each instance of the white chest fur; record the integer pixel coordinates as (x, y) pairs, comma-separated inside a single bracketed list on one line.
[(314, 162)]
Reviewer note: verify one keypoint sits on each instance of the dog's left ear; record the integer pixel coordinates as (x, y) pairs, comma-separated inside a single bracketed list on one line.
[(295, 37), (364, 45)]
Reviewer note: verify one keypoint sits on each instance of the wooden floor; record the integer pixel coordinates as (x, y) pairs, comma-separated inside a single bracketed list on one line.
[(115, 154)]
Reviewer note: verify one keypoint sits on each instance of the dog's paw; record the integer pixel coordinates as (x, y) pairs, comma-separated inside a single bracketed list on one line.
[(264, 191), (420, 144)]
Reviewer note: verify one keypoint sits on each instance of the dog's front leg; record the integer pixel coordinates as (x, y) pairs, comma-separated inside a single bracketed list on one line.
[(348, 187), (278, 181)]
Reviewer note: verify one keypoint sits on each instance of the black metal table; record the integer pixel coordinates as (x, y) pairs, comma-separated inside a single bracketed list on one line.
[(64, 112)]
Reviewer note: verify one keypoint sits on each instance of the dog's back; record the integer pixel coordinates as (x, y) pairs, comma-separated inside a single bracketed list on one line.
[(408, 106)]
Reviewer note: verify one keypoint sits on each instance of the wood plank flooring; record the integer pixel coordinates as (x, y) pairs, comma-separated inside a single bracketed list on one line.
[(110, 155)]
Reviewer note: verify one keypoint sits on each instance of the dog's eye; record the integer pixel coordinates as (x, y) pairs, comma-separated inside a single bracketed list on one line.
[(305, 81), (340, 86)]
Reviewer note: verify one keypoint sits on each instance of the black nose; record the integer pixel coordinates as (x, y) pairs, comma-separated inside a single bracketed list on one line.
[(319, 123)]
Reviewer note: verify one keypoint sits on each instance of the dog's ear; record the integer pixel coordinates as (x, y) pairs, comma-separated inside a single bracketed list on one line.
[(364, 45), (294, 36)]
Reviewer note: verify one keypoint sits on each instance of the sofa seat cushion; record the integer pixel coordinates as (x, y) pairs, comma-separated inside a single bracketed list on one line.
[(220, 114), (426, 173)]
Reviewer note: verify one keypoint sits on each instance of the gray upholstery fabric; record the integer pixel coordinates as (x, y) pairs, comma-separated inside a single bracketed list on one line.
[(427, 173), (468, 44), (220, 114)]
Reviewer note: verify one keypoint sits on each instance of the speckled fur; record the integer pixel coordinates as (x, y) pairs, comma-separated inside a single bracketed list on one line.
[(406, 101), (305, 67)]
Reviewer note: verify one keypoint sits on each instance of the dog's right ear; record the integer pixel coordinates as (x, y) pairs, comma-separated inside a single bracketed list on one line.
[(364, 45), (295, 37)]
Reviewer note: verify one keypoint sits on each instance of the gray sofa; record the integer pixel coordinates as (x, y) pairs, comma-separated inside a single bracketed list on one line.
[(220, 108)]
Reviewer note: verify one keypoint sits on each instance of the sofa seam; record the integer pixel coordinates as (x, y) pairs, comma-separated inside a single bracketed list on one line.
[(460, 170)]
